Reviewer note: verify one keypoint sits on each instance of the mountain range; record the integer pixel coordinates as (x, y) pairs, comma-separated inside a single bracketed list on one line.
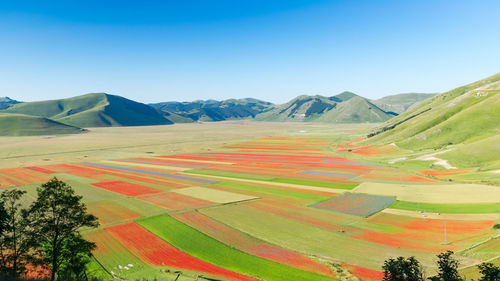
[(105, 110)]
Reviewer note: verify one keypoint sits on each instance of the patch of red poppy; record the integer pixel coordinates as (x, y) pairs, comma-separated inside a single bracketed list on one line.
[(126, 188), (364, 273), (156, 251)]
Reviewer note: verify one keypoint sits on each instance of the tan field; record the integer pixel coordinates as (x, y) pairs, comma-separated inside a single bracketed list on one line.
[(437, 193), (126, 142)]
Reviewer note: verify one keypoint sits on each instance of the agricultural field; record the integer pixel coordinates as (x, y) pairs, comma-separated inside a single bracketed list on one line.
[(258, 201)]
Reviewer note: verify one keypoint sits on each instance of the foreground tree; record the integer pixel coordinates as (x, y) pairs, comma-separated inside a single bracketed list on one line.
[(76, 253), (15, 241), (3, 218), (57, 216), (403, 269), (447, 268), (489, 271)]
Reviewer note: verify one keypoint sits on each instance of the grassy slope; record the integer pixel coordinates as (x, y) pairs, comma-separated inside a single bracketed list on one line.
[(465, 117), (211, 250), (401, 102), (93, 110), (25, 125)]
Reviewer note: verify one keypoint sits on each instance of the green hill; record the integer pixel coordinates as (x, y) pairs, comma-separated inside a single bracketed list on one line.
[(401, 102), (343, 108), (466, 117), (93, 110), (6, 102), (212, 110), (27, 125)]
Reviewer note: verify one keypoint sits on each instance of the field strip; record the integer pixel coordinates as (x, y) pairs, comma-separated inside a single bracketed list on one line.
[(145, 165), (147, 172), (201, 161), (436, 193), (417, 214), (297, 186), (213, 195)]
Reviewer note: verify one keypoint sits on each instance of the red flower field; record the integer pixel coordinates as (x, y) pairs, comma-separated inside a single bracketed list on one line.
[(126, 188), (156, 251)]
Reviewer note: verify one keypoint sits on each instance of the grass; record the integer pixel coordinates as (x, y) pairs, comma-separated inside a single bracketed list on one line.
[(279, 192), (24, 125), (447, 208), (208, 249)]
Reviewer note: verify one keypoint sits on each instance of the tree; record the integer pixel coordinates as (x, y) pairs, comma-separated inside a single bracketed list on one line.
[(447, 268), (57, 216), (3, 218), (489, 271), (403, 269), (76, 253), (15, 240)]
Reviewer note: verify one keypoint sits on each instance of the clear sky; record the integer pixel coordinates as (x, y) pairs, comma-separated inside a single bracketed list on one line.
[(153, 51)]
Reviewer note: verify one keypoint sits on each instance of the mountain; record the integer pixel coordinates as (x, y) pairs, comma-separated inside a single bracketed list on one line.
[(27, 125), (213, 110), (342, 108), (6, 102), (93, 110), (465, 119), (401, 102)]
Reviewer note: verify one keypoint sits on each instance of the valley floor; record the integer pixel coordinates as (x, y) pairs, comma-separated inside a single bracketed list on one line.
[(247, 200)]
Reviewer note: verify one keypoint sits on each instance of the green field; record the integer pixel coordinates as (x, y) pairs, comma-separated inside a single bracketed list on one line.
[(206, 248), (448, 208)]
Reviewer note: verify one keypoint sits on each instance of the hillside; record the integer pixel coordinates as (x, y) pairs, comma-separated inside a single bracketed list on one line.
[(93, 110), (343, 108), (212, 110), (6, 102), (467, 116), (401, 102), (26, 125)]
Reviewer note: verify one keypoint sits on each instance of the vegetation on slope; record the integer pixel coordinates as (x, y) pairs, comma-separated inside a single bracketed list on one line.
[(6, 102), (401, 102), (93, 110), (465, 117), (26, 125)]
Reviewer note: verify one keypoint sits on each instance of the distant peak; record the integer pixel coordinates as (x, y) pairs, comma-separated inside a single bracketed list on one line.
[(346, 95)]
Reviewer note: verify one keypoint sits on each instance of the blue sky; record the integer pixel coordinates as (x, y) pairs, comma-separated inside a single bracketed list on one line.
[(154, 51)]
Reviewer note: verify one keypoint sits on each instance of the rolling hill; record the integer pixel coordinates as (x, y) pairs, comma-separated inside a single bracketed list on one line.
[(212, 110), (464, 119), (6, 102), (94, 110), (27, 125), (343, 108), (401, 102)]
